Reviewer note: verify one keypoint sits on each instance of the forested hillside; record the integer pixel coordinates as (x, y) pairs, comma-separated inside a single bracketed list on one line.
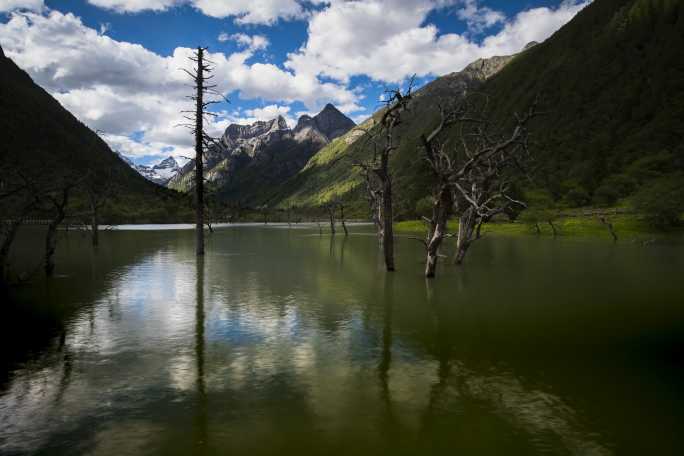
[(612, 89)]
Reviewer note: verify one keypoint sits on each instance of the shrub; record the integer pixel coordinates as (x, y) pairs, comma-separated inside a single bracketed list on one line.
[(613, 188), (577, 196), (661, 202)]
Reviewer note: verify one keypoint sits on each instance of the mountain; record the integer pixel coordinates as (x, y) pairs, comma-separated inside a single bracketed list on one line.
[(612, 87), (249, 159), (330, 172), (45, 143), (330, 123), (160, 173)]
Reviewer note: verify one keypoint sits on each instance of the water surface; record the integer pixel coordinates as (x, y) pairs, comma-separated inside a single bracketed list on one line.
[(282, 341)]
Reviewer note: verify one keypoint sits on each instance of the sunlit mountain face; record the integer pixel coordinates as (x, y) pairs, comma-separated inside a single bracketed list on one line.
[(116, 64)]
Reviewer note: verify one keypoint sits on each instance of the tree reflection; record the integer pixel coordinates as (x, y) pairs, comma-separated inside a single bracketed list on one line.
[(201, 417)]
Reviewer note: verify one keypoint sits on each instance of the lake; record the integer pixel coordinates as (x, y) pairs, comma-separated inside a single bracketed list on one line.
[(284, 341)]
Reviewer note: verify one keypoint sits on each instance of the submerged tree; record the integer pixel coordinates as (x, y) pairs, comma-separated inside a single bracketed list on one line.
[(201, 76), (57, 202), (99, 189), (377, 172), (19, 196), (343, 221), (331, 208), (473, 179)]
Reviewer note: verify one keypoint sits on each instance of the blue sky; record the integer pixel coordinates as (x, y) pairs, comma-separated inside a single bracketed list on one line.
[(115, 63)]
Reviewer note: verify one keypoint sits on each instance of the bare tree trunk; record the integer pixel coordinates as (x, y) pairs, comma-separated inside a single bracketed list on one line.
[(344, 224), (388, 228), (478, 235), (50, 247), (199, 148), (466, 227), (331, 217), (9, 235), (609, 225), (377, 220), (51, 236), (437, 231), (553, 228)]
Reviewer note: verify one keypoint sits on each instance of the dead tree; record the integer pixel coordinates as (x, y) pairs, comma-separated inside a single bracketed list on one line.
[(58, 201), (342, 219), (99, 189), (330, 207), (201, 76), (608, 224), (17, 200), (377, 173), (442, 167), (473, 179), (484, 178)]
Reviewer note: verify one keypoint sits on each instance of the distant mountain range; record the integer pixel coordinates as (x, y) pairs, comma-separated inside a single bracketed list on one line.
[(160, 174), (247, 157)]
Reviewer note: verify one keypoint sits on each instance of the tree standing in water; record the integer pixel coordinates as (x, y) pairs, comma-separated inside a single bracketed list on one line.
[(377, 173), (200, 75), (474, 179)]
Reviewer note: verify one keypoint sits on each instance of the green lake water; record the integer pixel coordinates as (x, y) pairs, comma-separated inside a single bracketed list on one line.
[(282, 341)]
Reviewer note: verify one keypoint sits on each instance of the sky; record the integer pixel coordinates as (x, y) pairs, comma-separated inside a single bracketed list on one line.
[(117, 64)]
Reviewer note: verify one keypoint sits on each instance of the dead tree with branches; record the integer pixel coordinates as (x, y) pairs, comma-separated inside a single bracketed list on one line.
[(19, 196), (376, 172), (473, 179), (442, 166), (99, 188), (488, 166), (201, 76), (57, 202)]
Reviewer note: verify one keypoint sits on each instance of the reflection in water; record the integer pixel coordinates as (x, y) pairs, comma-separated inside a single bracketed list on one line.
[(280, 343), (202, 435)]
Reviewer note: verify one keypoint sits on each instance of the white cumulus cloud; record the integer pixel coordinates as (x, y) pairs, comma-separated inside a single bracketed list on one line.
[(11, 5), (125, 89), (389, 42)]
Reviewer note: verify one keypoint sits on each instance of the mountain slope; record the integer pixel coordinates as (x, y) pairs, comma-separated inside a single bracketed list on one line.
[(330, 173), (612, 82), (39, 136), (250, 160)]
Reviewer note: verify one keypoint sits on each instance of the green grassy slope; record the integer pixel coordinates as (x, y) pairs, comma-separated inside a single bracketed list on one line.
[(613, 86), (39, 136)]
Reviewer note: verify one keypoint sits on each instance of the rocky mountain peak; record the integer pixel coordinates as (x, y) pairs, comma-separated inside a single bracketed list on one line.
[(167, 163), (325, 126)]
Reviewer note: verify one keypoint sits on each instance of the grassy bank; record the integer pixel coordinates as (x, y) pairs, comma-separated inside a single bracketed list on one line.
[(626, 226)]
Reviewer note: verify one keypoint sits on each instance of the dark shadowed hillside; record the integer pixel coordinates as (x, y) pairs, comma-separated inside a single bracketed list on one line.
[(41, 138)]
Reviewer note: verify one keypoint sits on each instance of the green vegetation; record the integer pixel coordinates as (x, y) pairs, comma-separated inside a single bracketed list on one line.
[(627, 227), (612, 87)]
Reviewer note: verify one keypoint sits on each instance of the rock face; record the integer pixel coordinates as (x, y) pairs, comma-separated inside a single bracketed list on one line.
[(266, 152), (330, 122)]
